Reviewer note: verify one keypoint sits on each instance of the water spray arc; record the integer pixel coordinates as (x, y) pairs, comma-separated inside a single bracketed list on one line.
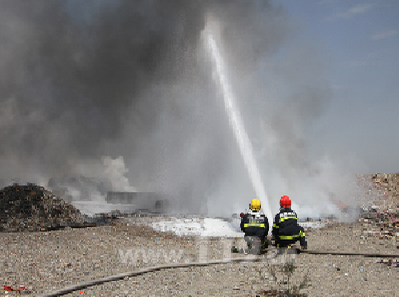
[(235, 118)]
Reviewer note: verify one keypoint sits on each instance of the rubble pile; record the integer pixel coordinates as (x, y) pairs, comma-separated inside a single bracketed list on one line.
[(32, 208), (376, 228), (379, 218), (381, 191)]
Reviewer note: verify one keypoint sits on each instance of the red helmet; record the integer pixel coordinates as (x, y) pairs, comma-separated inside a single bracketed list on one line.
[(285, 202)]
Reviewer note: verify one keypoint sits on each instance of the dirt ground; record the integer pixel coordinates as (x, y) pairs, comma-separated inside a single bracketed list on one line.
[(47, 261)]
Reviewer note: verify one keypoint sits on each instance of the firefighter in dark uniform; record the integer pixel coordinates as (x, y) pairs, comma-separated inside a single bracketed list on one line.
[(286, 230), (255, 224)]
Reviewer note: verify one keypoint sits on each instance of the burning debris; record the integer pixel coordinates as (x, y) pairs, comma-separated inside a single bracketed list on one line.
[(33, 208)]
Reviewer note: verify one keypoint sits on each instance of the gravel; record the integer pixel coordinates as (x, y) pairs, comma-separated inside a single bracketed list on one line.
[(356, 277), (47, 261)]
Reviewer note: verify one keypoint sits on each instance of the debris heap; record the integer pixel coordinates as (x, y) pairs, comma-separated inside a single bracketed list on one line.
[(380, 205), (32, 208), (380, 191)]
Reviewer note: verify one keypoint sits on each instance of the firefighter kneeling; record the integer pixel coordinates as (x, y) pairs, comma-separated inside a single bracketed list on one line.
[(286, 230), (255, 226)]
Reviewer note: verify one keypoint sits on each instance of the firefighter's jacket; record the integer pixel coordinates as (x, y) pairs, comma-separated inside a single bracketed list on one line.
[(254, 223), (286, 228)]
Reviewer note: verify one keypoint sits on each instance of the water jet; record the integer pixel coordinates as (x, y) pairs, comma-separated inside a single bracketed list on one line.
[(233, 113)]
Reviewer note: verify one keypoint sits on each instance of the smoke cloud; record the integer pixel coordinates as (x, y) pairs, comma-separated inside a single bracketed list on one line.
[(130, 80)]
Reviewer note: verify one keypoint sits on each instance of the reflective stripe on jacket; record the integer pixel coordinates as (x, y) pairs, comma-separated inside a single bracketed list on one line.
[(285, 226), (254, 224)]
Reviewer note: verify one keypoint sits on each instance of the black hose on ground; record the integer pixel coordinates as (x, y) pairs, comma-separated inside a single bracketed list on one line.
[(146, 270), (251, 258), (348, 254)]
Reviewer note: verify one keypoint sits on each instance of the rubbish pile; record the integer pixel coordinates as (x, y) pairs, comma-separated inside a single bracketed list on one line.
[(32, 208), (380, 191), (379, 214)]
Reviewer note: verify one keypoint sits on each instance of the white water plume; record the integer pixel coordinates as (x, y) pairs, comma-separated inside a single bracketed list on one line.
[(235, 118)]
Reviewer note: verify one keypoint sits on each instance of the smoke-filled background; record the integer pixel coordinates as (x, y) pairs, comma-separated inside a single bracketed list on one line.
[(121, 95)]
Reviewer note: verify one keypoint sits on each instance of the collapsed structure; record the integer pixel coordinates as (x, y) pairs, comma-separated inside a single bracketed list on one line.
[(142, 201)]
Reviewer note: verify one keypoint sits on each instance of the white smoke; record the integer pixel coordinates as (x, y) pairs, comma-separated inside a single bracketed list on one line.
[(115, 171), (147, 104), (92, 179)]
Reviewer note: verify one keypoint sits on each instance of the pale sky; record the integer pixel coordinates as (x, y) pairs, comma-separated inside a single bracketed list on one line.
[(358, 42)]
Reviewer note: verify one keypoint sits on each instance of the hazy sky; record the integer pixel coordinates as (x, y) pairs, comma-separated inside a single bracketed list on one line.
[(358, 43)]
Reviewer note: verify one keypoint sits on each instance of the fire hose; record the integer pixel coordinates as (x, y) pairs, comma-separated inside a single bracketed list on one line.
[(349, 254), (252, 258)]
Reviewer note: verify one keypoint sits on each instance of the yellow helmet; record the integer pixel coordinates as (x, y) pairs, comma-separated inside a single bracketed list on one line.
[(255, 204)]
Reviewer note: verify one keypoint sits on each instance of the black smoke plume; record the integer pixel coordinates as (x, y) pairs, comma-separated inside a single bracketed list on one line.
[(80, 80)]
